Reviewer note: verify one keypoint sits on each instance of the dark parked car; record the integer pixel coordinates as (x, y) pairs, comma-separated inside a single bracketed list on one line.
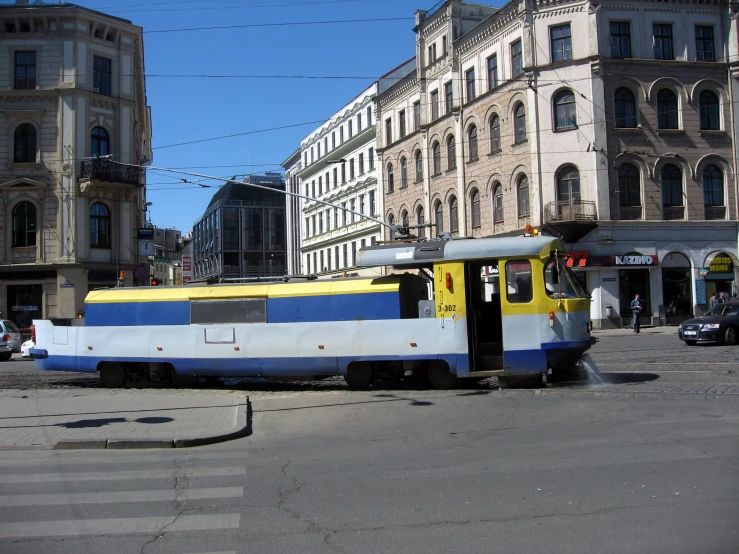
[(719, 324)]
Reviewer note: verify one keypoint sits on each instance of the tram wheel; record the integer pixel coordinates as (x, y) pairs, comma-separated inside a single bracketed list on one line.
[(439, 375), (359, 375), (113, 375)]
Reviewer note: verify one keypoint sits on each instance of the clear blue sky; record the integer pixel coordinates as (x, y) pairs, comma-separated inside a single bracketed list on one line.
[(192, 108)]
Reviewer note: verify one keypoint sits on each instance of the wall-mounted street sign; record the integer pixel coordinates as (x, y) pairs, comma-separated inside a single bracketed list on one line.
[(145, 233)]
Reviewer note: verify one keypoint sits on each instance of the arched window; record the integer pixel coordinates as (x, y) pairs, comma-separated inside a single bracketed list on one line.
[(24, 224), (403, 172), (99, 226), (472, 137), (419, 166), (523, 196), (494, 133), (391, 222), (519, 116), (453, 215), (404, 219), (672, 186), (564, 111), (713, 186), (99, 142), (475, 208), (568, 185), (666, 109), (451, 152), (497, 203), (439, 216), (710, 112), (625, 108), (629, 193), (436, 151), (390, 178), (24, 142), (420, 221)]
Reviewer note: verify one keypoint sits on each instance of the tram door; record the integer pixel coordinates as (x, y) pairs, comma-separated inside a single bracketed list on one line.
[(484, 316)]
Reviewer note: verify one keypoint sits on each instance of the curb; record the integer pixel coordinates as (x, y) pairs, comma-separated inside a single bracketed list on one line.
[(243, 417)]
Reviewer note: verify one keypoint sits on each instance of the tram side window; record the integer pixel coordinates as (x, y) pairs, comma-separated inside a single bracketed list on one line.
[(519, 287), (562, 283), (253, 310)]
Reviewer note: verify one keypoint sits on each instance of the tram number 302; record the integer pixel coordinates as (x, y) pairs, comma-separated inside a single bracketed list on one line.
[(447, 307)]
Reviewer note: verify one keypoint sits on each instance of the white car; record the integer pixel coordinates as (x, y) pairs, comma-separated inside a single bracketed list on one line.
[(26, 349)]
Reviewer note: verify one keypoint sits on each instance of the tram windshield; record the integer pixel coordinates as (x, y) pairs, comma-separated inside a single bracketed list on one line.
[(562, 283)]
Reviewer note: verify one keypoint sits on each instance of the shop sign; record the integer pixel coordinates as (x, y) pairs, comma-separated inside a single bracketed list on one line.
[(25, 308), (102, 277), (702, 272), (67, 286), (626, 260), (721, 264)]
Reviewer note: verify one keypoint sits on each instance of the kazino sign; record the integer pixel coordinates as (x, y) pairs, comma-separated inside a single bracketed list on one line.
[(628, 260)]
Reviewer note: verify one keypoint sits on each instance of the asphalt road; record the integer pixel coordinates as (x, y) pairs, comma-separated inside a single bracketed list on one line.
[(646, 463)]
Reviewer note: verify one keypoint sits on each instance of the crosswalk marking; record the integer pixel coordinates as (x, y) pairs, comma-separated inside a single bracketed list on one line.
[(118, 526), (97, 458), (120, 475), (120, 496)]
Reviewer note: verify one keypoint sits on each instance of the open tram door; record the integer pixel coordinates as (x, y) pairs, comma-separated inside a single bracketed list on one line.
[(484, 318)]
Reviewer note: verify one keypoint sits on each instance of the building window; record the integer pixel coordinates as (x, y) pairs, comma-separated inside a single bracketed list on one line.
[(519, 115), (403, 173), (472, 138), (713, 186), (475, 209), (434, 105), (516, 58), (388, 131), (419, 166), (401, 123), (390, 179), (372, 203), (361, 163), (448, 97), (443, 45), (662, 41), (333, 140), (351, 169), (620, 39), (351, 132), (99, 142), (371, 158), (470, 82), (391, 223), (404, 219), (561, 43), (420, 222), (568, 185), (564, 111), (667, 109), (99, 226), (629, 193), (439, 217), (343, 173), (451, 152), (359, 123), (497, 203), (25, 70), (492, 72), (625, 108), (24, 225), (672, 186), (369, 115), (416, 116), (453, 215), (436, 152), (710, 111), (101, 71), (336, 177), (494, 133), (523, 196), (24, 144)]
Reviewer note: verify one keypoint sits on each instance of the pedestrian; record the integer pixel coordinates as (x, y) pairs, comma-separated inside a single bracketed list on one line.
[(722, 297), (635, 310), (715, 300)]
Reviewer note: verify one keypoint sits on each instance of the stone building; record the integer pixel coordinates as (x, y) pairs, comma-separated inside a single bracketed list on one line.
[(608, 123), (72, 87), (293, 218)]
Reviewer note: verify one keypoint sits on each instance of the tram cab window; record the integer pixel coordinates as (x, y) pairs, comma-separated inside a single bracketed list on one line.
[(519, 287), (560, 282)]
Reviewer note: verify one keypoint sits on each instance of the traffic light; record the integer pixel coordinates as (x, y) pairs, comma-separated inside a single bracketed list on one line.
[(155, 282)]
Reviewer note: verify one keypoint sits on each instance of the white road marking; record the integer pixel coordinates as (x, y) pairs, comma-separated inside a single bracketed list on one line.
[(120, 475), (120, 496), (118, 526)]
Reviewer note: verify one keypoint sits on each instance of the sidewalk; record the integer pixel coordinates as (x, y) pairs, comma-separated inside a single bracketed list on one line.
[(120, 419), (664, 330)]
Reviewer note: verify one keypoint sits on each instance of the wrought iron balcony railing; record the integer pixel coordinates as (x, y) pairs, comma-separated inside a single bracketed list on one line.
[(578, 210), (630, 213), (673, 212), (104, 170), (715, 212)]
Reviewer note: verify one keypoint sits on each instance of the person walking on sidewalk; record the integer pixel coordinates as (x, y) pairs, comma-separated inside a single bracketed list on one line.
[(635, 310), (715, 300)]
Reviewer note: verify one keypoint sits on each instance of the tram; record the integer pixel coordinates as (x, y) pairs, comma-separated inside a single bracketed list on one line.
[(450, 309)]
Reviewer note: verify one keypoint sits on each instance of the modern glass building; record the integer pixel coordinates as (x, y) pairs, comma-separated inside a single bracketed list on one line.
[(242, 232)]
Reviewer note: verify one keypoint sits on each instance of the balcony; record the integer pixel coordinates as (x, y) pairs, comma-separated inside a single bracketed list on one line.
[(97, 172), (670, 213), (571, 220), (629, 213), (715, 212)]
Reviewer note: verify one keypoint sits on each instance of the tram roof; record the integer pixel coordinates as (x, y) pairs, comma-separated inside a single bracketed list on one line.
[(421, 253)]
